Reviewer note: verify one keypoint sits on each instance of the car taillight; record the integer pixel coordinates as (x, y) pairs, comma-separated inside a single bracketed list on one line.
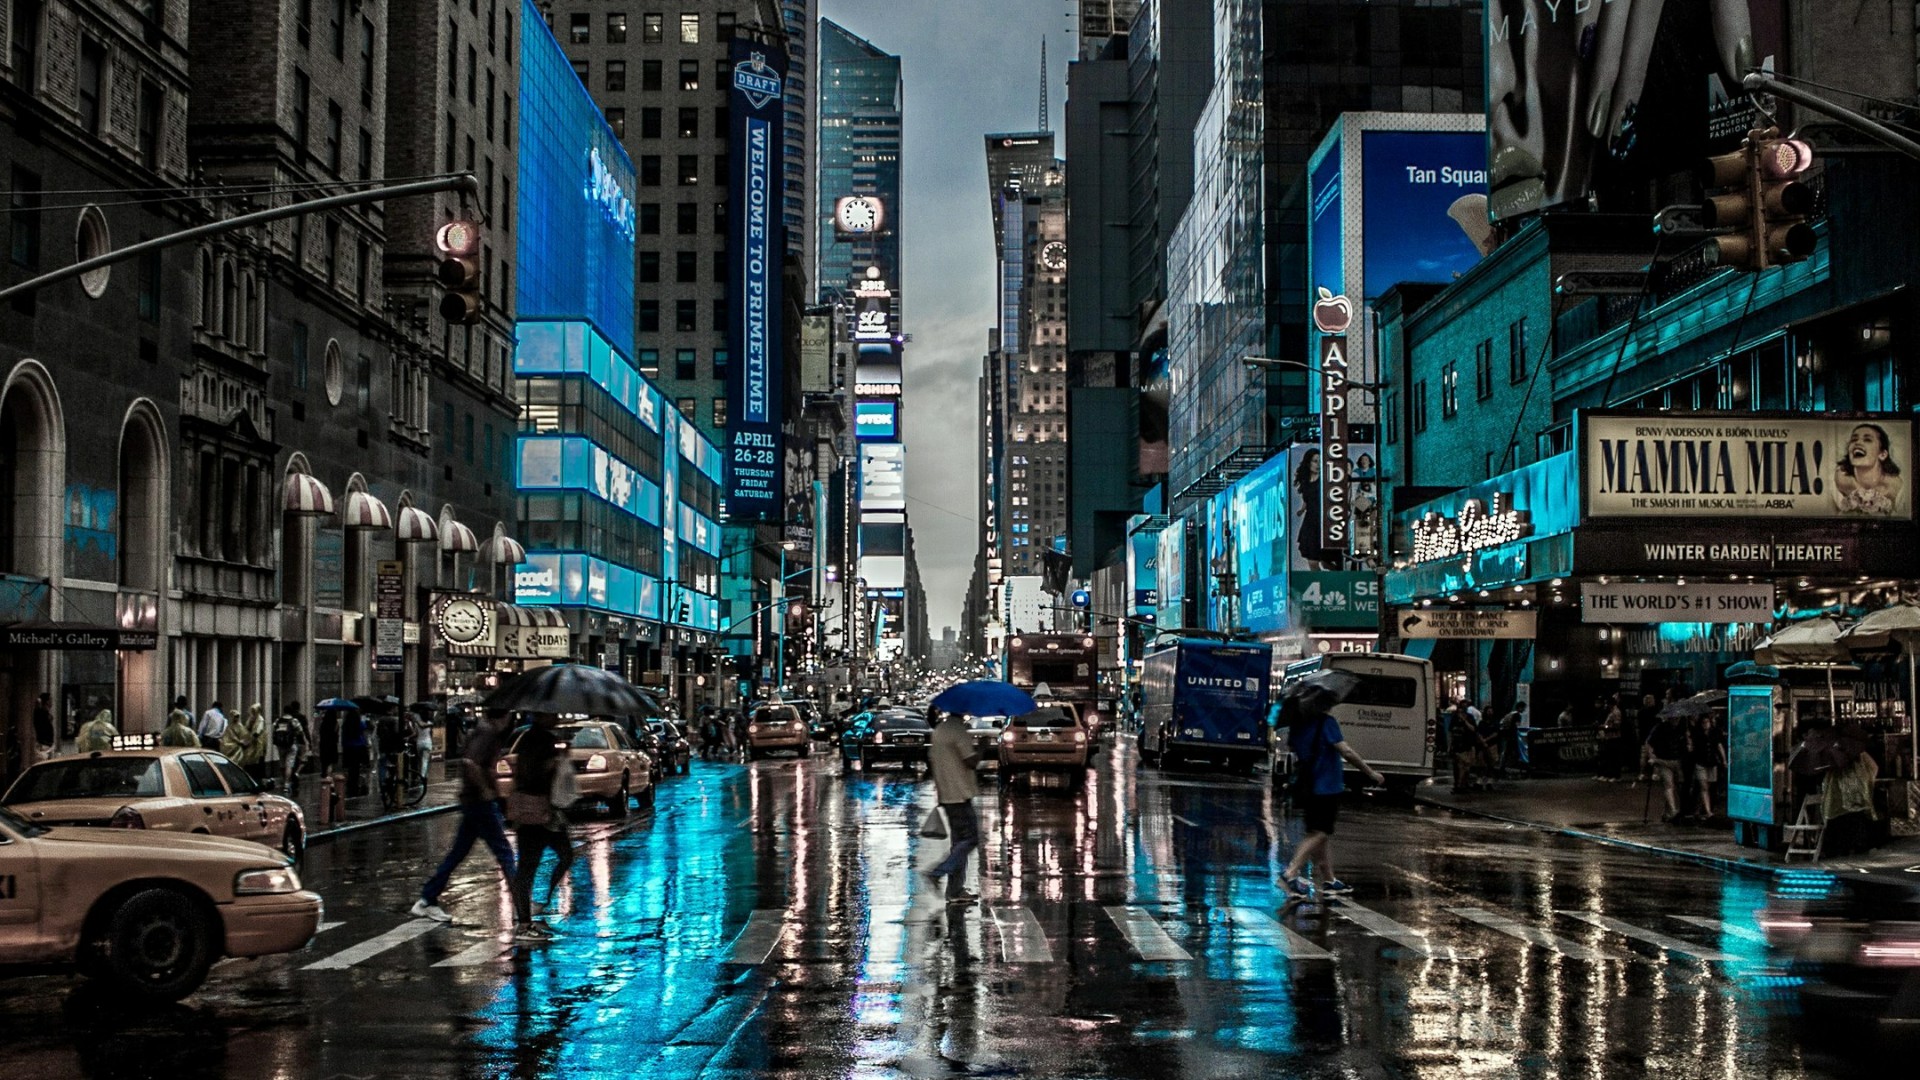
[(1900, 952), (126, 818), (879, 736), (503, 768), (597, 763)]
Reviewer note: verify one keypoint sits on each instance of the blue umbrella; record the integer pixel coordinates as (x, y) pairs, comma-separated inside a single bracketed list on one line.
[(337, 703), (985, 697)]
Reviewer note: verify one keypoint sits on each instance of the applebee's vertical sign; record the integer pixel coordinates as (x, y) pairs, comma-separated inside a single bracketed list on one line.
[(1331, 316)]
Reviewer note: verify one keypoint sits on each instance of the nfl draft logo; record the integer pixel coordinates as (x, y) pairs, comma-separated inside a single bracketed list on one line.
[(754, 78)]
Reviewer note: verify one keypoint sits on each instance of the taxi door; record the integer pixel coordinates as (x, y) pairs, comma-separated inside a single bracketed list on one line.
[(243, 794), (219, 812), (19, 893)]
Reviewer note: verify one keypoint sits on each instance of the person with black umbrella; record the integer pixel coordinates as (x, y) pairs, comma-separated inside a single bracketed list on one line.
[(1318, 746), (1663, 753), (539, 821)]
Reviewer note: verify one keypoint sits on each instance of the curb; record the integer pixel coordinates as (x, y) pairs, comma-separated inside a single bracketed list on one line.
[(331, 832), (1719, 862)]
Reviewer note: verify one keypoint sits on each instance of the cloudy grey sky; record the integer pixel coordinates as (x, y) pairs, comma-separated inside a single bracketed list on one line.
[(970, 67)]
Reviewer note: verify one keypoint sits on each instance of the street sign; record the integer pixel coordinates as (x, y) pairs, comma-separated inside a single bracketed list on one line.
[(1450, 624), (389, 623), (1629, 602), (1081, 598)]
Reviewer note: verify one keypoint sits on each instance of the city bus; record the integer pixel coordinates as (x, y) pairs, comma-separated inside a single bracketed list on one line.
[(1068, 665)]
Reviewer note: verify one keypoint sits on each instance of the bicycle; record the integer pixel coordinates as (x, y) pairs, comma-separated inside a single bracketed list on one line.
[(403, 779)]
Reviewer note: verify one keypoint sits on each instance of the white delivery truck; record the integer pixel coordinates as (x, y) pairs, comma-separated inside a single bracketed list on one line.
[(1388, 719)]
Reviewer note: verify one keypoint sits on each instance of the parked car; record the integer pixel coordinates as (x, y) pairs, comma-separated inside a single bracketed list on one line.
[(776, 727), (608, 767), (1854, 955), (146, 912), (666, 745), (886, 735), (1049, 739), (171, 789)]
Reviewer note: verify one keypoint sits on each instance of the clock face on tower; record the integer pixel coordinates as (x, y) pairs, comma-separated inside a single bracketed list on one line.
[(859, 214), (1054, 256)]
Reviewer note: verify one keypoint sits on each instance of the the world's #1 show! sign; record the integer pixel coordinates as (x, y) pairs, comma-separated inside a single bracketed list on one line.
[(755, 245)]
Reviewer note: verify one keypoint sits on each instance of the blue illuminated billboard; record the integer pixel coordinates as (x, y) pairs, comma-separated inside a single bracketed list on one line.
[(1260, 519), (755, 246), (1413, 179), (877, 420), (574, 232)]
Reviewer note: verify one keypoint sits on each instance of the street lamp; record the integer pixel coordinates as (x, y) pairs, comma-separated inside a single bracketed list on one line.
[(1272, 361)]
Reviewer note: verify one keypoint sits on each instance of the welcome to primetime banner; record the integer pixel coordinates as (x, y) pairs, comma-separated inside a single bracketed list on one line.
[(754, 377)]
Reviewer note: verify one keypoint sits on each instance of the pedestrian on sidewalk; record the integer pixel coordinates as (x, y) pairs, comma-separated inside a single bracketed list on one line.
[(951, 755), (356, 753), (213, 726), (1318, 747), (44, 737), (179, 730), (290, 739), (539, 821), (97, 733), (479, 819), (1706, 756), (1661, 755), (1463, 743), (327, 747), (1612, 736), (1644, 722), (245, 743)]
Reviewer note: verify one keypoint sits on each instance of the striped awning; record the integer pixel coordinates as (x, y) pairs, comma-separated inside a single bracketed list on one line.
[(366, 512), (417, 526), (457, 538), (506, 551), (518, 615), (306, 495)]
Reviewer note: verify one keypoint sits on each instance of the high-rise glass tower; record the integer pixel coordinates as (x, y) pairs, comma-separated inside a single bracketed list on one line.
[(861, 97)]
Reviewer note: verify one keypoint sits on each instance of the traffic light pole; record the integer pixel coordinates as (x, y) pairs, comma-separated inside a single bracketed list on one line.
[(1760, 82), (462, 182)]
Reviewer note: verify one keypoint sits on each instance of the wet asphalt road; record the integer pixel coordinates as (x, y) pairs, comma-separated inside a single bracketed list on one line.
[(768, 921)]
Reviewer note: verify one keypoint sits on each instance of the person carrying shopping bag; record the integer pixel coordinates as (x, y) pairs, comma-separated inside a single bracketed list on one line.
[(536, 808)]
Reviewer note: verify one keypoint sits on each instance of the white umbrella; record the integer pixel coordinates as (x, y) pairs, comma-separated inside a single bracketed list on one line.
[(1895, 623), (1811, 642)]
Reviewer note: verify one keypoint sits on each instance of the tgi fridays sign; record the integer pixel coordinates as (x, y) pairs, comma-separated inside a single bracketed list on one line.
[(1331, 316), (1717, 466)]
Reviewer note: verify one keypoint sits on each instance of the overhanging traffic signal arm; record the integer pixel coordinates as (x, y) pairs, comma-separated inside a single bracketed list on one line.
[(1758, 195), (459, 271)]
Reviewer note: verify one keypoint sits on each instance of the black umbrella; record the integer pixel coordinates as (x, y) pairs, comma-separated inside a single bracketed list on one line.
[(1324, 688), (377, 704), (1700, 704), (574, 688)]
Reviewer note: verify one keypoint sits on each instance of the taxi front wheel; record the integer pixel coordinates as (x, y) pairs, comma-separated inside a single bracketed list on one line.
[(159, 945)]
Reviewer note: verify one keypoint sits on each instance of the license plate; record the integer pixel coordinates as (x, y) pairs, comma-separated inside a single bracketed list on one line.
[(910, 739), (1046, 736)]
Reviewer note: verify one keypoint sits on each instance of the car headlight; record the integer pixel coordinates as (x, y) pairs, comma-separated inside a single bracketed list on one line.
[(1006, 736), (597, 763), (1079, 736), (279, 879), (753, 729), (879, 736)]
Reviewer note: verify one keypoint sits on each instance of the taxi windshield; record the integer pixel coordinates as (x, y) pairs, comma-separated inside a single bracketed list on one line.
[(89, 778)]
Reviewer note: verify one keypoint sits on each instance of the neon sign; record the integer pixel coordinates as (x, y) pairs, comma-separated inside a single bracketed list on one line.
[(603, 190), (1479, 526)]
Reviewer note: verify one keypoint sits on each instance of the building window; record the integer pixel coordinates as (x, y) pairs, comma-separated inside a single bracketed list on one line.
[(299, 356), (580, 71), (1483, 370), (580, 28), (337, 29), (650, 74), (453, 58), (617, 120), (720, 365), (453, 140), (687, 218), (648, 313), (689, 123), (150, 287), (653, 27), (1450, 390), (720, 120), (333, 251), (366, 63), (492, 86), (649, 170), (685, 405), (363, 391), (685, 365), (93, 77), (719, 165), (1517, 350), (650, 362), (649, 271), (363, 270), (689, 28), (723, 26), (616, 76), (720, 314), (720, 218), (302, 92), (366, 154), (720, 412), (689, 170), (616, 27), (334, 124), (650, 122), (1390, 417), (152, 105), (689, 74), (686, 266), (719, 267), (650, 219), (684, 315), (1417, 406)]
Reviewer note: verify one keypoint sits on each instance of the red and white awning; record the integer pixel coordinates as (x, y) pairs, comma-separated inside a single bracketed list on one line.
[(417, 526), (366, 512), (457, 538), (522, 615), (306, 495), (506, 551)]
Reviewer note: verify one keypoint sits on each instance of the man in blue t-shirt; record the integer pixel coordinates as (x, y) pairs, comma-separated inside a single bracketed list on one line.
[(1318, 748)]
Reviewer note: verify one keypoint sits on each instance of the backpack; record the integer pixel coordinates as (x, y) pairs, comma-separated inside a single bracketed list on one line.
[(283, 732)]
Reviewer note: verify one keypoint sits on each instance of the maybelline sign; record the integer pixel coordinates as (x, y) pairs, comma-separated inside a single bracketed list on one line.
[(754, 250)]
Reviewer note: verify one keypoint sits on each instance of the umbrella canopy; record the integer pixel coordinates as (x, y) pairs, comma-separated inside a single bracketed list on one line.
[(1322, 689), (1898, 623), (574, 688), (376, 704), (1698, 705), (337, 703), (1811, 641), (985, 697)]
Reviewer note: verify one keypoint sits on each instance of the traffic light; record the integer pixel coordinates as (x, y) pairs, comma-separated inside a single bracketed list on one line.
[(1758, 194), (459, 271)]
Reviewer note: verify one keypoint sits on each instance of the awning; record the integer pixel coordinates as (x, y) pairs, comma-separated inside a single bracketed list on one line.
[(417, 526), (518, 615), (506, 551), (305, 495), (457, 538), (366, 512)]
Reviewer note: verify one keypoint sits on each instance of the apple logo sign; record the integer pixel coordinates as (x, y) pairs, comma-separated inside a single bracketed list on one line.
[(1332, 314)]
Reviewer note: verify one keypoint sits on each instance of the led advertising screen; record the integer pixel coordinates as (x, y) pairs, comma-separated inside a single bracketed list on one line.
[(877, 420), (1142, 547), (1170, 563), (1600, 99), (877, 369), (1415, 184), (883, 476), (575, 224), (755, 246), (1260, 532)]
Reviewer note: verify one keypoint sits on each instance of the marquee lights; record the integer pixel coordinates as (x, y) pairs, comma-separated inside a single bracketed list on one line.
[(1479, 526)]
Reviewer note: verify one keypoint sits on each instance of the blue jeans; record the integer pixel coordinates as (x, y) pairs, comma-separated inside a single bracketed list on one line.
[(963, 832), (478, 821)]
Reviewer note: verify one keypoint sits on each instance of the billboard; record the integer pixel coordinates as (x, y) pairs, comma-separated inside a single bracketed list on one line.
[(816, 354), (876, 371), (883, 476), (1260, 535), (1142, 547), (877, 420), (755, 247), (855, 216), (883, 551), (1600, 99), (1321, 594), (1170, 564), (1675, 465)]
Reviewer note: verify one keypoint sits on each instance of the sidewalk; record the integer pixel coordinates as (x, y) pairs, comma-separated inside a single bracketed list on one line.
[(366, 811), (1613, 813)]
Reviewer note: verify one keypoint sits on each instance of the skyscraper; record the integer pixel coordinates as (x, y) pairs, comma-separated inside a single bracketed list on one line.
[(861, 98)]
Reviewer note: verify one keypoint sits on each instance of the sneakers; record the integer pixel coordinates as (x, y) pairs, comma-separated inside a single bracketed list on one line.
[(422, 909), (532, 932), (1297, 886), (1336, 887)]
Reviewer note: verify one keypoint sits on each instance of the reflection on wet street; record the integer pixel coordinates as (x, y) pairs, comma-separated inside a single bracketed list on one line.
[(770, 921)]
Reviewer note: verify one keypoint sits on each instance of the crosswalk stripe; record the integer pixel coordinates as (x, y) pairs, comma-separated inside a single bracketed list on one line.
[(1532, 935), (326, 926), (1022, 941), (373, 947), (1650, 937), (757, 938), (485, 952), (1145, 934), (1721, 926), (1405, 936), (1262, 926)]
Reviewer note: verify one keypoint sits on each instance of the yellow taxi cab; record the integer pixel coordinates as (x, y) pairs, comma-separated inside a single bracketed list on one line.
[(608, 767), (777, 726), (1051, 738), (171, 789), (147, 912)]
